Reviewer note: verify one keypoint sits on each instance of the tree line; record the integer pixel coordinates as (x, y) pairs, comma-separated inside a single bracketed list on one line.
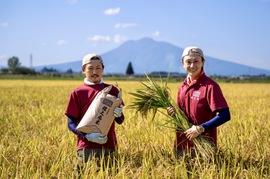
[(14, 67)]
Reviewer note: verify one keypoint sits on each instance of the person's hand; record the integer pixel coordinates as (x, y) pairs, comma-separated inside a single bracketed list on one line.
[(118, 111), (192, 133), (96, 137), (171, 111)]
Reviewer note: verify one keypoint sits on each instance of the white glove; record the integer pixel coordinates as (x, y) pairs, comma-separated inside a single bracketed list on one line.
[(118, 111), (96, 137)]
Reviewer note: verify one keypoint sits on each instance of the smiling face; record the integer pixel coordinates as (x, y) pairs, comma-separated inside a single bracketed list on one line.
[(93, 71), (193, 64)]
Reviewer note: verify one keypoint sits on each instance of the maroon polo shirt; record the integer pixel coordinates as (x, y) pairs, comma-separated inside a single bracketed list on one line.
[(79, 101), (199, 101)]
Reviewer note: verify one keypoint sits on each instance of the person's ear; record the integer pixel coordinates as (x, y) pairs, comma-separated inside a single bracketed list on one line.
[(83, 68), (203, 60)]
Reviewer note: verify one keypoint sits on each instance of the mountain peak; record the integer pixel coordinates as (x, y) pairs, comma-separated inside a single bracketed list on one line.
[(148, 55), (146, 40)]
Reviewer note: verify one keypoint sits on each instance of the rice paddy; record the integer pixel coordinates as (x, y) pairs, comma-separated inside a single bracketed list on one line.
[(36, 143)]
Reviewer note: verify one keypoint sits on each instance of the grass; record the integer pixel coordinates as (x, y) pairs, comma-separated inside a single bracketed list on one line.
[(35, 141)]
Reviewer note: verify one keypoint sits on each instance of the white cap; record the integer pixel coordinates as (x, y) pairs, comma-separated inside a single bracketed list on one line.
[(90, 57), (192, 50)]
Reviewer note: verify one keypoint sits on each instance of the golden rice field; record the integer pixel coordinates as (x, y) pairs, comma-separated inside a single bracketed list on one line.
[(36, 143)]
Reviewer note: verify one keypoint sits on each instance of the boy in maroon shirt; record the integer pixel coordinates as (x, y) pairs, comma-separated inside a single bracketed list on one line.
[(202, 100), (93, 144)]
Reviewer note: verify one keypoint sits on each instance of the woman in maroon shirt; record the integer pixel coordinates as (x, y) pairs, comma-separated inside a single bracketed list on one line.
[(202, 100)]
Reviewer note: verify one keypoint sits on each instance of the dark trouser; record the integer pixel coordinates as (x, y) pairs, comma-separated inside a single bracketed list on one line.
[(85, 155), (188, 154), (184, 153)]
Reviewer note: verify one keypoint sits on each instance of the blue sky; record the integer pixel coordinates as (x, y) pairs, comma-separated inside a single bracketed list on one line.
[(57, 31)]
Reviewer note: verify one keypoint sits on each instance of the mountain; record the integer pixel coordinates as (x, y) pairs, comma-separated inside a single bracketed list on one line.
[(148, 55)]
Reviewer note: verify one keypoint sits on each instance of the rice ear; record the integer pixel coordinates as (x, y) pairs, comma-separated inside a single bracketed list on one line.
[(154, 96)]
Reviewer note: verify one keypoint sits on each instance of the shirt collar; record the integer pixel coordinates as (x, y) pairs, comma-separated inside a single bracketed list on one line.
[(191, 82), (90, 83)]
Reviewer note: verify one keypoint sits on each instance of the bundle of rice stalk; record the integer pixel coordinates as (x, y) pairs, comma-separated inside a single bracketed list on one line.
[(156, 98)]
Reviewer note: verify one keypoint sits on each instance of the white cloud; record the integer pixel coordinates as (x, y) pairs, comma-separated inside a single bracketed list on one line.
[(112, 11), (118, 38), (126, 25), (61, 42), (100, 38), (156, 34), (3, 24)]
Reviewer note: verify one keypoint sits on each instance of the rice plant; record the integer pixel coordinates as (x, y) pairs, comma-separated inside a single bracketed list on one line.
[(154, 97), (36, 143)]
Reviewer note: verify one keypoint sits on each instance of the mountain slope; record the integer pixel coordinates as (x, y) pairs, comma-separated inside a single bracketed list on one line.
[(145, 55), (148, 55)]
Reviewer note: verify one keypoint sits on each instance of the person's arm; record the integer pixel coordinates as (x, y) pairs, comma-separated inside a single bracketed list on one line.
[(72, 126), (120, 119), (223, 116), (118, 114)]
